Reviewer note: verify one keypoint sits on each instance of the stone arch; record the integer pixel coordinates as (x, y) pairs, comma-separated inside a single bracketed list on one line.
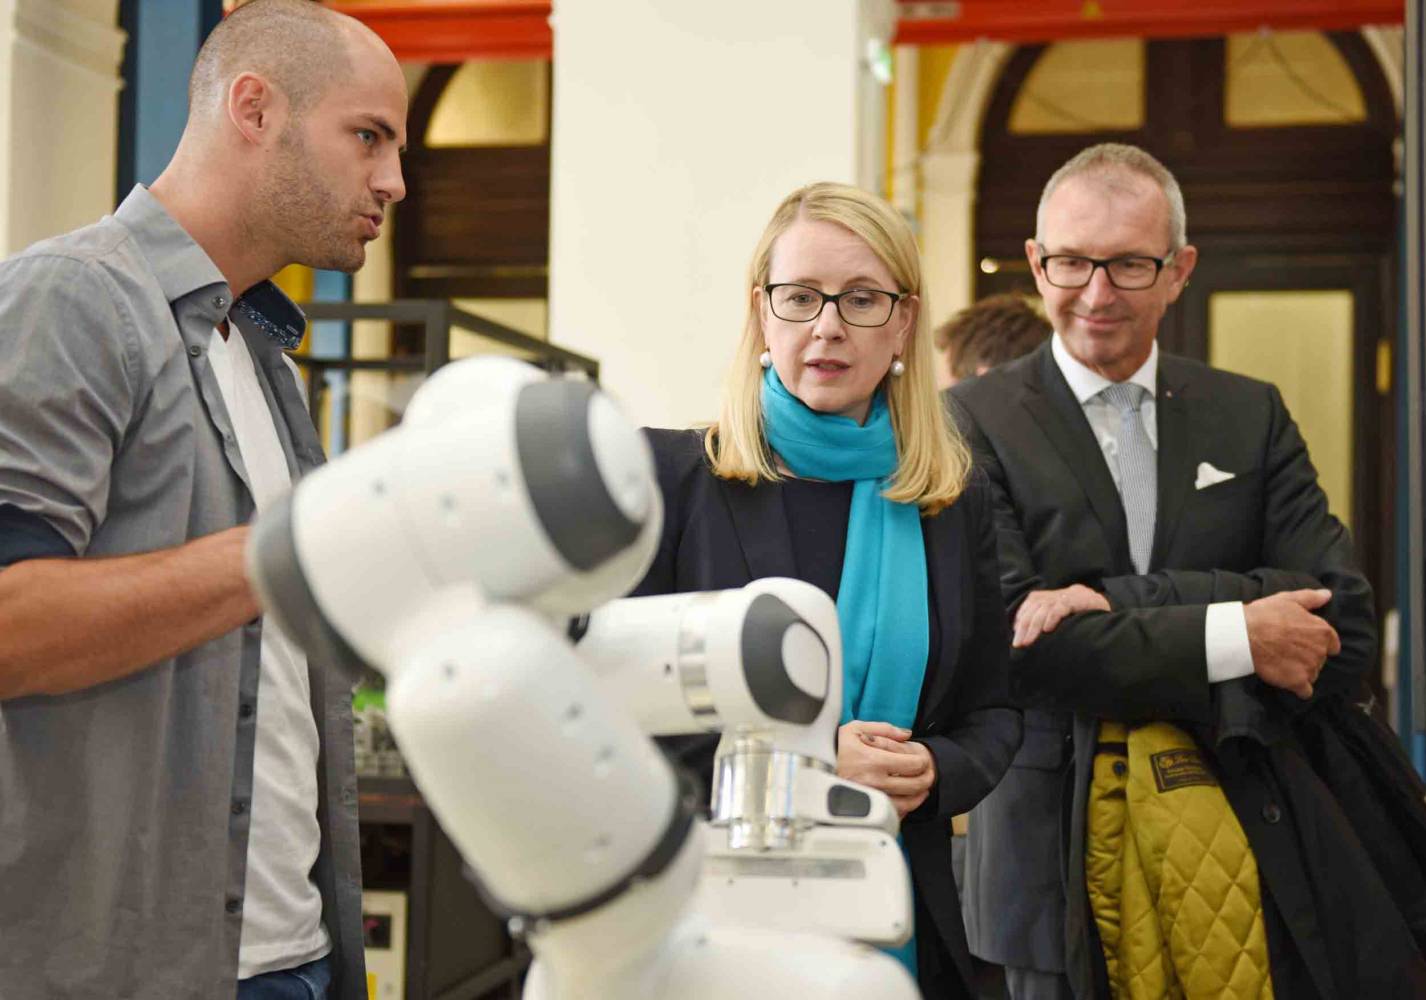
[(949, 169)]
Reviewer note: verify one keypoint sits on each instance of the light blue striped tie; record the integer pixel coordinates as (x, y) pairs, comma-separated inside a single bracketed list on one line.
[(1138, 470)]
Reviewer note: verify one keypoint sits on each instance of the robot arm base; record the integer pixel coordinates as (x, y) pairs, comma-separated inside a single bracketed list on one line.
[(842, 881), (704, 961)]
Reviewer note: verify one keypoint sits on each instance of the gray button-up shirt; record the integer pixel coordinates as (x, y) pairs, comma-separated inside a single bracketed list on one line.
[(122, 856)]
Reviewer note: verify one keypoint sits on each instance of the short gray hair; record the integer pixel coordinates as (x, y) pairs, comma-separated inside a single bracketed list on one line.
[(1109, 158)]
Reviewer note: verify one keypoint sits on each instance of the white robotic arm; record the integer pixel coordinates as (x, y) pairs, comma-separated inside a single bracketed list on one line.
[(792, 845), (448, 553)]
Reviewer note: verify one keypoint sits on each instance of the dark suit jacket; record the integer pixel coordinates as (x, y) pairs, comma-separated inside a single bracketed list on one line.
[(719, 534), (1060, 521)]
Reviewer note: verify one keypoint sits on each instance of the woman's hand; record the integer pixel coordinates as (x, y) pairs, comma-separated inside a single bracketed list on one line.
[(1044, 609), (883, 757)]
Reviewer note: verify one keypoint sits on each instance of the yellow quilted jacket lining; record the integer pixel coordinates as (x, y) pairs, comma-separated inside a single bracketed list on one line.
[(1172, 881)]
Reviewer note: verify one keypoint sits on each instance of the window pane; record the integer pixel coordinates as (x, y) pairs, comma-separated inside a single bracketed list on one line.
[(526, 315), (1291, 78), (1301, 342), (493, 103), (1089, 86)]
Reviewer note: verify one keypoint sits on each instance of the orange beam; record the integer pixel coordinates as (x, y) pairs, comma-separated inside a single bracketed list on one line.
[(936, 23), (447, 31), (452, 31)]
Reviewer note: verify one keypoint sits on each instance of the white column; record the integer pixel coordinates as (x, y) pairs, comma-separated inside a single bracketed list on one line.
[(60, 62), (678, 128), (905, 180), (948, 229)]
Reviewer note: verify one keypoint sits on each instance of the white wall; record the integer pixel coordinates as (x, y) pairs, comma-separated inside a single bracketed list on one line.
[(59, 81), (675, 136)]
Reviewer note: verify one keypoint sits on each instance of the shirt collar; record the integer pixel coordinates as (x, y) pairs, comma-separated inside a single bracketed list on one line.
[(180, 265), (1086, 383)]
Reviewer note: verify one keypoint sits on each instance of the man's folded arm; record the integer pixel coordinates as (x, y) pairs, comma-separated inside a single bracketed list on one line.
[(1134, 664), (1227, 645), (1305, 548)]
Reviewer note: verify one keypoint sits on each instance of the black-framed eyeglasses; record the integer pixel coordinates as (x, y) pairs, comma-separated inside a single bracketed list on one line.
[(1130, 274), (857, 306)]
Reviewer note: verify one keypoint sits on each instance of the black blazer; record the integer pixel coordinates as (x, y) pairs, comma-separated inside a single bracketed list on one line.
[(719, 534), (1060, 521)]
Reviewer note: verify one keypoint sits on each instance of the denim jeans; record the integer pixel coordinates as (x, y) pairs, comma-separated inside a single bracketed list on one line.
[(306, 982)]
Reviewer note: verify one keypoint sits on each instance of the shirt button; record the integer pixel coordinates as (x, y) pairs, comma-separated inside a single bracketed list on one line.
[(246, 710), (194, 351), (1271, 812), (219, 302), (239, 807), (1120, 769), (233, 905)]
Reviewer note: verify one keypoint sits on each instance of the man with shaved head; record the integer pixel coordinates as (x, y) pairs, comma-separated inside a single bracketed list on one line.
[(177, 798)]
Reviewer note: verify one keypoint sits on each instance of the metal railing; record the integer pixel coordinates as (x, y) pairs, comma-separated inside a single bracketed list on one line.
[(436, 318)]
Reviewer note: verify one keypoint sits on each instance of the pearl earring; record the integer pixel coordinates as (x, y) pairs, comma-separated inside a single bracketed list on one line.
[(765, 359), (898, 368)]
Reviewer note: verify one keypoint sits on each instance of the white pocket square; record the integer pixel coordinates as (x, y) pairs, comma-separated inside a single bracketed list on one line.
[(1209, 476)]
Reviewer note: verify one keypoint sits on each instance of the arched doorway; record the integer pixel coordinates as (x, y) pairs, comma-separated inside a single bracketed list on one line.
[(475, 224)]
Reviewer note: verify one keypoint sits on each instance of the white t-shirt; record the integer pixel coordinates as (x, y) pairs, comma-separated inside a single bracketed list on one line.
[(282, 909)]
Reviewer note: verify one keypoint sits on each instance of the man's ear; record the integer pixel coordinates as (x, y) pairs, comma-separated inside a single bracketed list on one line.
[(1182, 267), (1032, 254), (255, 108)]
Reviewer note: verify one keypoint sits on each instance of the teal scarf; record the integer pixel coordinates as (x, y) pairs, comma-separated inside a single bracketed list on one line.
[(881, 603)]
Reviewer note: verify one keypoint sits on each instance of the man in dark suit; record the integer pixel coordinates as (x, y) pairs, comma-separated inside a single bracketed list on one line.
[(1168, 555)]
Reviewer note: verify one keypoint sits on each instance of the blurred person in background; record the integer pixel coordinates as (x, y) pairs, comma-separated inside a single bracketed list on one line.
[(833, 461), (997, 329)]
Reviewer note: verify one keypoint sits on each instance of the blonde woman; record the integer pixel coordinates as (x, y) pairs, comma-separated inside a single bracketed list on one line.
[(833, 462)]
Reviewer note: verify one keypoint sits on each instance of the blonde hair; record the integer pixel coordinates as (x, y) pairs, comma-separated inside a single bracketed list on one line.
[(933, 460)]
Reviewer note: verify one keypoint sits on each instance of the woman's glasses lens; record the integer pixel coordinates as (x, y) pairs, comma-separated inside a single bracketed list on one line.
[(858, 306)]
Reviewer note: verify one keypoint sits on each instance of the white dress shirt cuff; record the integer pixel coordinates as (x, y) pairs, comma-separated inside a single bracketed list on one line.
[(1225, 641)]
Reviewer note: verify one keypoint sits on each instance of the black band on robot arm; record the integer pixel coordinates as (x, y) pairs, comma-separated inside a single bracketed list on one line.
[(292, 603), (562, 476)]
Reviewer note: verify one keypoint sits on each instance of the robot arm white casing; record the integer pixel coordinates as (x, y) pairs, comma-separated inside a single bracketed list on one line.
[(446, 553), (518, 487), (764, 657), (447, 548)]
